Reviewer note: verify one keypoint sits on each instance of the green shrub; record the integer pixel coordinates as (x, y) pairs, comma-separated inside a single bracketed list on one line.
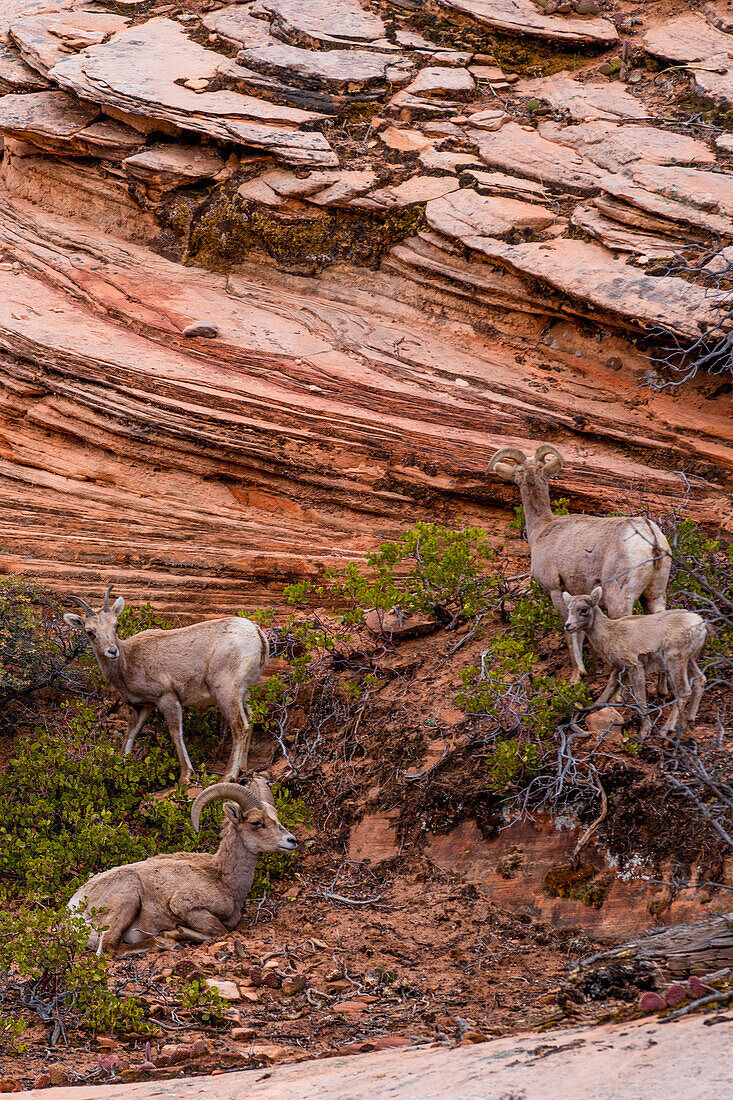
[(429, 569), (35, 650), (71, 805), (524, 706), (511, 760), (11, 1031), (50, 948), (206, 1004)]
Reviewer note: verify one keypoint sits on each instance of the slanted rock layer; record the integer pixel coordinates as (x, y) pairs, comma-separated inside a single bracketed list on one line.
[(516, 217)]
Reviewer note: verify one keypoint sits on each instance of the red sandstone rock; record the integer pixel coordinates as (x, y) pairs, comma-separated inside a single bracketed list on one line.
[(374, 839)]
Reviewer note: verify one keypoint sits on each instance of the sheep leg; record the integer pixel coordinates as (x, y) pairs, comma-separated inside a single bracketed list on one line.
[(122, 911), (196, 923), (637, 681), (698, 687), (574, 642), (137, 718), (611, 690), (654, 602), (681, 689), (173, 714), (239, 720)]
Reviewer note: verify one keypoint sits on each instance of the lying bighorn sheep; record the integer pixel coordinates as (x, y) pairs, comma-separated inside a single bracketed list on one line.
[(187, 895), (669, 641), (628, 555), (214, 662)]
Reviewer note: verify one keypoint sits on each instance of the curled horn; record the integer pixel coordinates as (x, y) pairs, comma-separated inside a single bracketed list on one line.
[(501, 467), (507, 452), (106, 596), (261, 787), (546, 449), (82, 603), (245, 797)]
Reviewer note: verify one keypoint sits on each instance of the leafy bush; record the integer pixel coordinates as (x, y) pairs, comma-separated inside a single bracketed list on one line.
[(36, 649), (71, 805), (48, 949), (429, 569), (206, 1004), (522, 704)]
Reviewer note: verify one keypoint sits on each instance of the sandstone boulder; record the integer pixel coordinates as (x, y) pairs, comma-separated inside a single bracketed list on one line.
[(524, 17), (137, 73), (322, 21), (468, 216)]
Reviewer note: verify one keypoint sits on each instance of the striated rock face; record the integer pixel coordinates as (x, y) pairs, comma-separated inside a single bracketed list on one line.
[(406, 271)]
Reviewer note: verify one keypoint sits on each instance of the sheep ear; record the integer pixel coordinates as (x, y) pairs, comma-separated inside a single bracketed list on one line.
[(596, 595), (118, 605), (233, 812), (74, 620), (566, 598)]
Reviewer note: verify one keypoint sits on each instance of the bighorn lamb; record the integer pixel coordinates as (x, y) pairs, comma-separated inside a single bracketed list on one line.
[(214, 662), (669, 641), (628, 555), (187, 895)]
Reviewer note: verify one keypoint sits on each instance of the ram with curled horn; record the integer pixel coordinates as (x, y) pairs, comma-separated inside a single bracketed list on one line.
[(186, 895), (212, 663), (627, 555)]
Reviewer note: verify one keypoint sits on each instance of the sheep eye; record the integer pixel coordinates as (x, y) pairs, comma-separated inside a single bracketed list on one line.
[(91, 634)]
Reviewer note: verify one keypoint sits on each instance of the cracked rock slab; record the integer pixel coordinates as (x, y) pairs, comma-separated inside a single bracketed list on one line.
[(592, 275), (468, 216), (235, 25), (16, 75), (441, 80), (137, 71), (615, 146), (166, 166), (48, 120), (44, 40), (691, 39), (525, 152), (687, 38), (322, 21), (619, 237), (584, 101), (655, 200), (409, 193), (706, 191), (525, 17), (333, 70)]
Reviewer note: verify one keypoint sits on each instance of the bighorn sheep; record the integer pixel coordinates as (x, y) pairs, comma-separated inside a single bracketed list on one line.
[(187, 895), (628, 555), (213, 662), (668, 641)]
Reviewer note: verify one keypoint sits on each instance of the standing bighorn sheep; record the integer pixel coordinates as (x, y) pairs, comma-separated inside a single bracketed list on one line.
[(214, 662), (187, 895), (669, 642), (628, 555)]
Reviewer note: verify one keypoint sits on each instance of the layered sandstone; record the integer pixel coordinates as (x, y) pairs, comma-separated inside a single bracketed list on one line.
[(396, 292)]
